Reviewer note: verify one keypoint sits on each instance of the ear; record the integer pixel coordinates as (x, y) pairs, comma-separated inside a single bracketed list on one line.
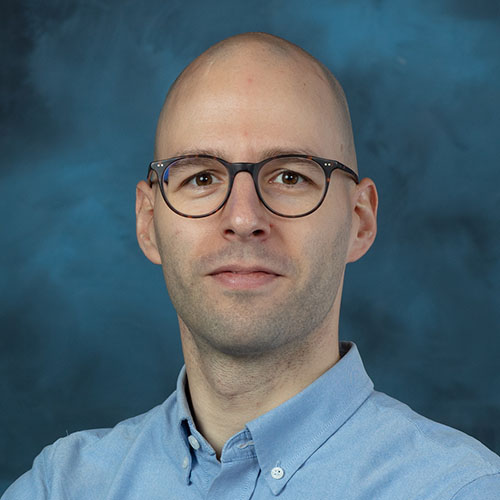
[(144, 210), (364, 219)]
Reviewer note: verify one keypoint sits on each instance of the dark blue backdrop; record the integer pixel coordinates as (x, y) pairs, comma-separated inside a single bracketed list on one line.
[(88, 335)]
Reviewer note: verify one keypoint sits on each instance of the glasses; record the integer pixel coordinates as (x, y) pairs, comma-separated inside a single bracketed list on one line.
[(288, 185)]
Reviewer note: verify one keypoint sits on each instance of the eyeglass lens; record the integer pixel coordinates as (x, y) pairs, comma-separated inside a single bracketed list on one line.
[(289, 186)]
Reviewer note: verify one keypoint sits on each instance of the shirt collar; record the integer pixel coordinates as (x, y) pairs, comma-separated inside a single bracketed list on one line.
[(289, 434)]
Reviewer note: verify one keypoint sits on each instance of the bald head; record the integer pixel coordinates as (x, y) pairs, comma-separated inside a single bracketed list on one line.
[(269, 57)]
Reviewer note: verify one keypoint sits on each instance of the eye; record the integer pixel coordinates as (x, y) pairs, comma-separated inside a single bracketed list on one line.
[(290, 178), (202, 179)]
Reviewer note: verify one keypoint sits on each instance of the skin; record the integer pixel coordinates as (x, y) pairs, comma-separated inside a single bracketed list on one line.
[(248, 351)]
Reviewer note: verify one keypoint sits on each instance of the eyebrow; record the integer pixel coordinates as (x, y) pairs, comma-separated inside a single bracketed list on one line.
[(268, 153)]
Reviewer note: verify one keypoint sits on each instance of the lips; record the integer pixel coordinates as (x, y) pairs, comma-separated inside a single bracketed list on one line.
[(255, 279), (238, 269)]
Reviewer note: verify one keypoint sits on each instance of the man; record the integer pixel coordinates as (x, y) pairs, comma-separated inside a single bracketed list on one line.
[(253, 208)]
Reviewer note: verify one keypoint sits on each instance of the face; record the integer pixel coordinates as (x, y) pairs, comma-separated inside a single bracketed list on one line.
[(240, 109)]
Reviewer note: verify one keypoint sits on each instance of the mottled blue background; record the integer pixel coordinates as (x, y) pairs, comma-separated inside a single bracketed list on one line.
[(88, 335)]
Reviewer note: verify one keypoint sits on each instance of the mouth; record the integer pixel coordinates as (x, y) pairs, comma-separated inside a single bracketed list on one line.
[(237, 269), (249, 278)]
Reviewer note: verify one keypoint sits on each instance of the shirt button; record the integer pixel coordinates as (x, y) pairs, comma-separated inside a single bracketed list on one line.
[(194, 442), (277, 472), (185, 462)]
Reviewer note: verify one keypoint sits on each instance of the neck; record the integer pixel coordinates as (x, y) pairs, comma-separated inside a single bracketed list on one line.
[(227, 392)]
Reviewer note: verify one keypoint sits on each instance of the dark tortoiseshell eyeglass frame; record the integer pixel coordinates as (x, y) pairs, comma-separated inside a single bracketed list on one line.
[(328, 166)]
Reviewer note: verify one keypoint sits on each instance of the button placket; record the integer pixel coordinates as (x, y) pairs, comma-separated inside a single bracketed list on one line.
[(194, 442)]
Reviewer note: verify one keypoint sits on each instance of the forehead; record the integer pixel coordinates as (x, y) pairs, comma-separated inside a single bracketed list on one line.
[(247, 103)]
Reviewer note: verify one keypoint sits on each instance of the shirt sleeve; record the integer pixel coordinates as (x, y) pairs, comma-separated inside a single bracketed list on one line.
[(32, 485), (482, 488)]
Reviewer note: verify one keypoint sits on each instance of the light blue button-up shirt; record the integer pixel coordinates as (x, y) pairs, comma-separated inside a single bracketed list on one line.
[(337, 439)]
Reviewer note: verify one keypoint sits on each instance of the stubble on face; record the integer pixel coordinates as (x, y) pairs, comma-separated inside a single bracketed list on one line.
[(247, 323)]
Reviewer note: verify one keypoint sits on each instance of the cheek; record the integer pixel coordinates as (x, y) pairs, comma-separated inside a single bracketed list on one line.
[(180, 241), (324, 247), (169, 236), (175, 255)]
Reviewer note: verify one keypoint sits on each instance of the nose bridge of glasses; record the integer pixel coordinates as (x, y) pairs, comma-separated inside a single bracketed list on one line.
[(236, 168)]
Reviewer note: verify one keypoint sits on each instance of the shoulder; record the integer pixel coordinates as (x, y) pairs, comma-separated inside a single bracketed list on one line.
[(431, 435), (111, 440), (441, 458), (91, 456)]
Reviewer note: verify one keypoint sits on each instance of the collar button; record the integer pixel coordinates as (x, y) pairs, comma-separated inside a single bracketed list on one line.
[(277, 472)]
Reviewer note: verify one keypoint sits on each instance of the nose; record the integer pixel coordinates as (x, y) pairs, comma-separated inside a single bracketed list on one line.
[(244, 217)]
